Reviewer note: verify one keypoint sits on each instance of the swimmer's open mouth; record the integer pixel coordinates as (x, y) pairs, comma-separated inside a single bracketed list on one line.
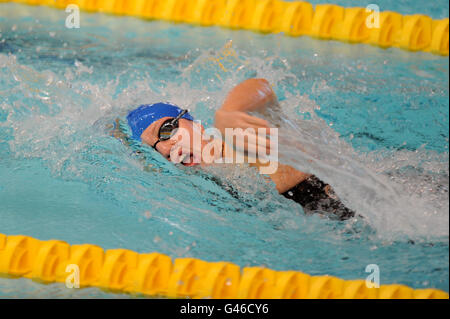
[(189, 159)]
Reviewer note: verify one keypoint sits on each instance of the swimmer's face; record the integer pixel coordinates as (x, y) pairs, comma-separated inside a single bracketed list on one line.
[(181, 143)]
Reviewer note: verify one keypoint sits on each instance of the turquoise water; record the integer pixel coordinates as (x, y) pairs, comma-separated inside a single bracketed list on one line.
[(375, 122)]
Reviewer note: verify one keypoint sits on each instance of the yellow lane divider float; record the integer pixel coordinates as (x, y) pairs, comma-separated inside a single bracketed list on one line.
[(154, 274), (325, 21)]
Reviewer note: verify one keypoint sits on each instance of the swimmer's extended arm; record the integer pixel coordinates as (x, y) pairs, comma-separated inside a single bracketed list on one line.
[(252, 95), (255, 95)]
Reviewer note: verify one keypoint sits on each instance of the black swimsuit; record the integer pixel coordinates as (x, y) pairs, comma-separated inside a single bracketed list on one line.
[(316, 196)]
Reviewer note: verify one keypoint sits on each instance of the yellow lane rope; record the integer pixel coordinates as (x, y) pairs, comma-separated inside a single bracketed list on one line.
[(154, 274), (386, 29)]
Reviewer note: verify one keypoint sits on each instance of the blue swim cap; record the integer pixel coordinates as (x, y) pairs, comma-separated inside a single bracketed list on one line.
[(141, 118)]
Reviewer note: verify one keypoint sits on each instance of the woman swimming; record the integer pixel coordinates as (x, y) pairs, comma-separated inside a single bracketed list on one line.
[(163, 125)]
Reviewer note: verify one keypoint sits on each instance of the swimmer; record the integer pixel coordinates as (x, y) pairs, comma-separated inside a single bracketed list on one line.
[(157, 125)]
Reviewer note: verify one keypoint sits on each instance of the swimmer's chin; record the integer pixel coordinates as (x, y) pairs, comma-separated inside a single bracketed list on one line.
[(189, 162), (192, 161)]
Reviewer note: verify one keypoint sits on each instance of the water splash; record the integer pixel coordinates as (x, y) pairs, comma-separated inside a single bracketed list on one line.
[(399, 193), (377, 185)]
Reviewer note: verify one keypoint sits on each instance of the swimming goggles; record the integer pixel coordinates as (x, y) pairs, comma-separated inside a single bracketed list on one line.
[(168, 128)]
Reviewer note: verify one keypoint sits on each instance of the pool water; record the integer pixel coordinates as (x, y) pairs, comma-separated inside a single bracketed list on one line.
[(374, 124)]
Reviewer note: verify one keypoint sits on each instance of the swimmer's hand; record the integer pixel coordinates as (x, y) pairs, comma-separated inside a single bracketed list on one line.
[(251, 132), (252, 95)]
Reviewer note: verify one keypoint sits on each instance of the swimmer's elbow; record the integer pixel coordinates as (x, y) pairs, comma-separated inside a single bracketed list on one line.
[(250, 95)]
